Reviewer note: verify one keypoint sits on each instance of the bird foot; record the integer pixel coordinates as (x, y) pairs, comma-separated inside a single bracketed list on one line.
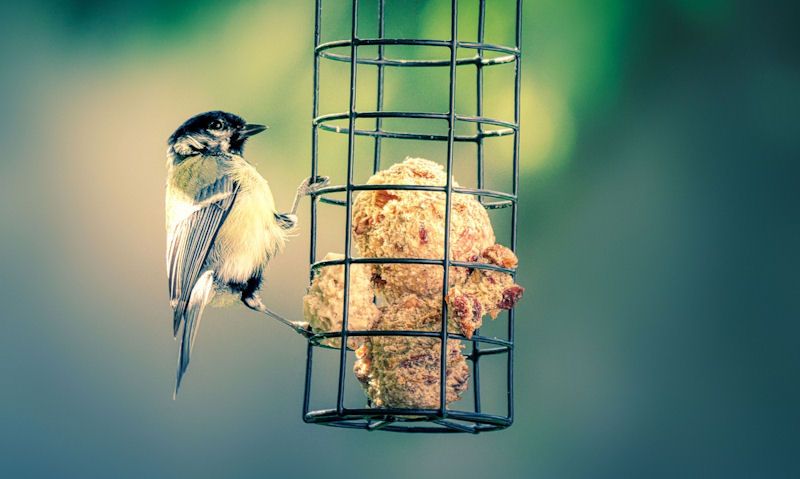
[(311, 185), (303, 328)]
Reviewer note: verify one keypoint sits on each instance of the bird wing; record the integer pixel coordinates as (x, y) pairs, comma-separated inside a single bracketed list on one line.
[(200, 296), (190, 239)]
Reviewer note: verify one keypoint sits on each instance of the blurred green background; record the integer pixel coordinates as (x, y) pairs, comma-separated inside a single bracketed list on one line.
[(658, 240)]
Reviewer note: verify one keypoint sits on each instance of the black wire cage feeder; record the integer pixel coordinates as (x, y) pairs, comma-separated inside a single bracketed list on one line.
[(480, 56)]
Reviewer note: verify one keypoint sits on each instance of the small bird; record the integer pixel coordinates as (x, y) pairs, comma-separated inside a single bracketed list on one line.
[(222, 225)]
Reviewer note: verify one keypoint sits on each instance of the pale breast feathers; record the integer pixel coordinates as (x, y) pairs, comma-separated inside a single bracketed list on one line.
[(250, 235)]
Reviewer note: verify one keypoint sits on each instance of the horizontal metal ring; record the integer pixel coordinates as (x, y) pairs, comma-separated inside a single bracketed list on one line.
[(350, 418), (415, 136), (506, 128), (489, 205), (482, 46), (506, 199), (424, 261), (317, 337), (417, 115), (393, 427), (398, 62)]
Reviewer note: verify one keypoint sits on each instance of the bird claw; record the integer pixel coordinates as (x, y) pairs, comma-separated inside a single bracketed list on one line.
[(303, 328), (309, 186), (312, 184)]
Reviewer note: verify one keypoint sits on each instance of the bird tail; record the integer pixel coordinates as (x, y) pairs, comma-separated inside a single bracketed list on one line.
[(201, 295)]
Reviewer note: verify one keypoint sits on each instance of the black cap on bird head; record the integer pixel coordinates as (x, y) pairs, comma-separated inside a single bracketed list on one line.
[(211, 133)]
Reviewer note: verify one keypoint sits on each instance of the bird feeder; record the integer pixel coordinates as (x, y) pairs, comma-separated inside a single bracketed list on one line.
[(476, 347)]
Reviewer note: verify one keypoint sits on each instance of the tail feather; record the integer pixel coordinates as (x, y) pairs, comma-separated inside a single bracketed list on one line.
[(201, 295), (177, 316)]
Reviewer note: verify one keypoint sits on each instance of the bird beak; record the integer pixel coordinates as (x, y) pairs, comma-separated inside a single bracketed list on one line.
[(251, 129)]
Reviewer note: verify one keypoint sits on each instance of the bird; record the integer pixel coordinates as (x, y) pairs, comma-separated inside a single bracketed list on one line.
[(221, 221)]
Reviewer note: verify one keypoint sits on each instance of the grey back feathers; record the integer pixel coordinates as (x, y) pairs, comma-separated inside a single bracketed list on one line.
[(190, 244)]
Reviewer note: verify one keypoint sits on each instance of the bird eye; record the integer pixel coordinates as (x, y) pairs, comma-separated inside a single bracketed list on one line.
[(215, 125)]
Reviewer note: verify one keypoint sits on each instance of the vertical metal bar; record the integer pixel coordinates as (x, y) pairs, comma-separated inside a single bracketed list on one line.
[(476, 370), (479, 88), (314, 167), (451, 129), (315, 132), (349, 203), (376, 162), (515, 192), (309, 369)]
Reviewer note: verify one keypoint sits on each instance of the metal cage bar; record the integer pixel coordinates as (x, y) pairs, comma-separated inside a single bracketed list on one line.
[(314, 173), (441, 419), (515, 192), (448, 193), (376, 160), (349, 205), (480, 175)]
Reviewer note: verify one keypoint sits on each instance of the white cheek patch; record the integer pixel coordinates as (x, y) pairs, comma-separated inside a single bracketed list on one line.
[(192, 144), (188, 145)]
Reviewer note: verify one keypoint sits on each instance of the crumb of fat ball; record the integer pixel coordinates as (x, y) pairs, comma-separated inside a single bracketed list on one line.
[(324, 301), (485, 292)]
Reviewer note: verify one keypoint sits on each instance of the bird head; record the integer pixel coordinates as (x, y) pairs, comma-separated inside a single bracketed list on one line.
[(213, 132)]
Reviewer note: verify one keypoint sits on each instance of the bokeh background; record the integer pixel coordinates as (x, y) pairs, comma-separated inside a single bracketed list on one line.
[(658, 241)]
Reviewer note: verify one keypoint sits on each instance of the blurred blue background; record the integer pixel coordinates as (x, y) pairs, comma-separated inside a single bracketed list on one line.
[(658, 242)]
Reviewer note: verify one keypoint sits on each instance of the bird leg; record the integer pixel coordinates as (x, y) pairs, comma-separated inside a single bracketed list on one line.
[(307, 187), (254, 302)]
